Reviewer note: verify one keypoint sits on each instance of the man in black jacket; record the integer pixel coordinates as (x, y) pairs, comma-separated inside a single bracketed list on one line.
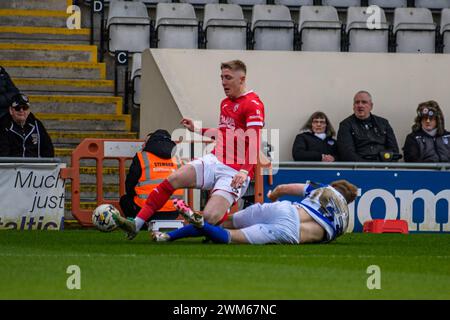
[(7, 91), (365, 137), (21, 134)]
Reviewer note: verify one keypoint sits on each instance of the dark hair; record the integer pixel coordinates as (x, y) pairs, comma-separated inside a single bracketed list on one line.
[(429, 108), (319, 115), (348, 190), (234, 65)]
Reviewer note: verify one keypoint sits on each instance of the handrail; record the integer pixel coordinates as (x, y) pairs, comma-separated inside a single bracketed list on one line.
[(29, 160), (365, 165)]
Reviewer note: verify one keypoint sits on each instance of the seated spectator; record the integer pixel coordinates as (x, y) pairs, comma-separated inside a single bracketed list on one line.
[(315, 142), (148, 168), (7, 91), (22, 134), (428, 141), (364, 136)]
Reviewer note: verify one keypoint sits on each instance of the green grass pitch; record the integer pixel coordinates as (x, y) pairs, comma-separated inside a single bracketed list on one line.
[(33, 265)]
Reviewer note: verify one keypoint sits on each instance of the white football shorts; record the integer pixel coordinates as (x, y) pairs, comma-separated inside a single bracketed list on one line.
[(276, 222), (214, 175)]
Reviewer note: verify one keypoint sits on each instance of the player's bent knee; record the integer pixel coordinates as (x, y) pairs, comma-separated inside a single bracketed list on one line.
[(237, 236)]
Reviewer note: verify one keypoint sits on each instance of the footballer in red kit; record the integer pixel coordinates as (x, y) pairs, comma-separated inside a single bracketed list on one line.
[(227, 171)]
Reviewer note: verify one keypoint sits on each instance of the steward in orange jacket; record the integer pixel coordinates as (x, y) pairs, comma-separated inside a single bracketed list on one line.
[(149, 167)]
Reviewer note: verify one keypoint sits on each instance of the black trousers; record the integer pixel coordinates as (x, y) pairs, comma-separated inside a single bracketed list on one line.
[(130, 209)]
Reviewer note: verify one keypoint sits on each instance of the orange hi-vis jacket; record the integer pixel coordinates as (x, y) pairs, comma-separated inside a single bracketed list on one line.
[(154, 171)]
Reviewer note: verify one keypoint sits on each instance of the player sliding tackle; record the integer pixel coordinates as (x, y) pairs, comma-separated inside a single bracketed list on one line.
[(321, 216), (228, 169)]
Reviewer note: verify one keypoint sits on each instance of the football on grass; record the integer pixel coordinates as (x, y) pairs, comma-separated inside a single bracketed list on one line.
[(102, 217)]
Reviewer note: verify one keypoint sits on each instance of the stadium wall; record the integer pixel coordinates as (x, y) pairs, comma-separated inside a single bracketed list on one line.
[(292, 85)]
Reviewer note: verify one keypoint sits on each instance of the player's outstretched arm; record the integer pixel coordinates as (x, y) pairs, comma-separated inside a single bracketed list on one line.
[(292, 189)]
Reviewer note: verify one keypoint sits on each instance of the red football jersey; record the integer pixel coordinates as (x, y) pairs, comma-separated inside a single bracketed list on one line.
[(237, 144)]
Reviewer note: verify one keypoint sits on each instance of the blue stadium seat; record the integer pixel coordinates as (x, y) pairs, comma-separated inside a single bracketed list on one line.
[(225, 27), (272, 27), (363, 39), (319, 28), (414, 30)]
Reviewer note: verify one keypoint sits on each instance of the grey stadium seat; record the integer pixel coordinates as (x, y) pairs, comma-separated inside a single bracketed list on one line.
[(246, 2), (414, 30), (273, 28), (433, 4), (319, 28), (342, 3), (294, 3), (363, 39), (176, 25), (136, 74), (391, 4), (199, 2), (225, 27), (128, 26), (445, 29)]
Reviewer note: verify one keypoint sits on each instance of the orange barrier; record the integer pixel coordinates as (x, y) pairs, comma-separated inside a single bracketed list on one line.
[(95, 149)]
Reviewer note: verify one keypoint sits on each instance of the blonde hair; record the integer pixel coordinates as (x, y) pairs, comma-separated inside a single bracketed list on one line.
[(234, 65)]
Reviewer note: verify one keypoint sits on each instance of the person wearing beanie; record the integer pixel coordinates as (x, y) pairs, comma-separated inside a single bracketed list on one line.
[(428, 141)]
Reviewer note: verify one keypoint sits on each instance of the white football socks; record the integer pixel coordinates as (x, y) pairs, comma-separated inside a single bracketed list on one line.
[(139, 223)]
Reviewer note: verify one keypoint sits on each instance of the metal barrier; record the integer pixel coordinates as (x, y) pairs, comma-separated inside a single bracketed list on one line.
[(123, 150)]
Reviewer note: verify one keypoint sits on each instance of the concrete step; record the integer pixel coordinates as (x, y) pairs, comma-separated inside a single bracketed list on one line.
[(83, 122), (69, 139), (36, 4), (76, 104), (33, 18), (44, 35), (48, 52), (85, 205), (60, 70), (65, 86)]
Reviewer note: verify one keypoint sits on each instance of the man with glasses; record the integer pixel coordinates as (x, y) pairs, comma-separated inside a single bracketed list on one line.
[(22, 134)]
